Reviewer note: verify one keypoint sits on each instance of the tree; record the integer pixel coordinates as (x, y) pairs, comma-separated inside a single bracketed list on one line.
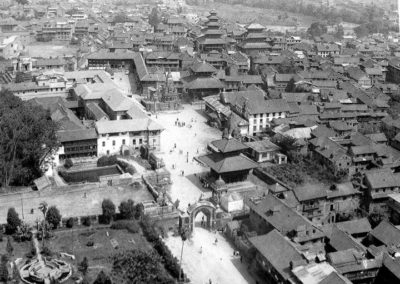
[(13, 221), (377, 216), (108, 208), (340, 32), (291, 87), (286, 143), (139, 266), (3, 272), (83, 266), (68, 163), (287, 66), (27, 140), (138, 211), (70, 222), (102, 278), (53, 216), (22, 2), (361, 31), (9, 247), (127, 209), (154, 19), (317, 29)]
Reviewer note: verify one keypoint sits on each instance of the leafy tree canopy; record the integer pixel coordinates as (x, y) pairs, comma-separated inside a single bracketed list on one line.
[(28, 138), (22, 2), (317, 29), (13, 221), (127, 209), (108, 208), (53, 216), (102, 278), (138, 266), (154, 18)]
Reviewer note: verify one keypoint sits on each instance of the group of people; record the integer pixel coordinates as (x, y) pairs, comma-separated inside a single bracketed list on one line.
[(180, 123)]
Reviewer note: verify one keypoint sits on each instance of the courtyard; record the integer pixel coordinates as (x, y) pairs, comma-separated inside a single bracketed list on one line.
[(216, 262), (72, 201), (191, 140)]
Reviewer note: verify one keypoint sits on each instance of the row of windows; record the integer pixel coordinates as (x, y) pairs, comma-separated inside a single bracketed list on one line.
[(80, 148), (124, 142)]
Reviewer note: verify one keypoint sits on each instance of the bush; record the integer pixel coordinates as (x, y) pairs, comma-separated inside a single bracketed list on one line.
[(13, 221), (86, 221), (53, 216), (126, 167), (70, 223), (170, 262), (149, 230), (68, 163), (46, 252), (108, 208), (107, 161), (130, 226), (127, 209)]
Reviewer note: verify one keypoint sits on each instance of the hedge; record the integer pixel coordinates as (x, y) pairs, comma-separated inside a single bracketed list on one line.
[(130, 225), (171, 262), (107, 161)]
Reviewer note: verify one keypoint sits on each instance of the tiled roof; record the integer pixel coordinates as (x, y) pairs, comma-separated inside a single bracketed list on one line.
[(127, 125), (386, 233), (278, 251), (77, 135), (310, 192), (356, 226), (229, 145), (221, 164)]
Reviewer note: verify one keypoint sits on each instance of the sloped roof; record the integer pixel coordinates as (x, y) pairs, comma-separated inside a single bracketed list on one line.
[(204, 83), (203, 67), (229, 145), (278, 251), (221, 164), (309, 192), (357, 226), (127, 125), (116, 100), (76, 135), (386, 233), (340, 240)]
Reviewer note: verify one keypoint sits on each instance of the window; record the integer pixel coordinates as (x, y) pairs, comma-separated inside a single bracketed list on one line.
[(113, 143), (104, 144), (123, 141), (254, 128), (108, 152), (140, 141), (134, 141)]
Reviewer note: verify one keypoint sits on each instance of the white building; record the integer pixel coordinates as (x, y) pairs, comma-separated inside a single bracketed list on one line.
[(258, 111), (131, 133)]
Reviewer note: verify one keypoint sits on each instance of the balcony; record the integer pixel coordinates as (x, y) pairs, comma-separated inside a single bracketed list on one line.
[(310, 207)]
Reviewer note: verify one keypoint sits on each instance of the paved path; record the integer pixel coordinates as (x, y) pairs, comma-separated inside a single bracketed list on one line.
[(215, 262), (188, 140)]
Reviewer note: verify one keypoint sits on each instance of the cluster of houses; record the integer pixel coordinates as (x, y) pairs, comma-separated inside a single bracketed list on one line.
[(333, 96)]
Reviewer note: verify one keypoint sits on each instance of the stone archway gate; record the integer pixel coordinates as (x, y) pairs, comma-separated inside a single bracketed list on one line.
[(202, 206)]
